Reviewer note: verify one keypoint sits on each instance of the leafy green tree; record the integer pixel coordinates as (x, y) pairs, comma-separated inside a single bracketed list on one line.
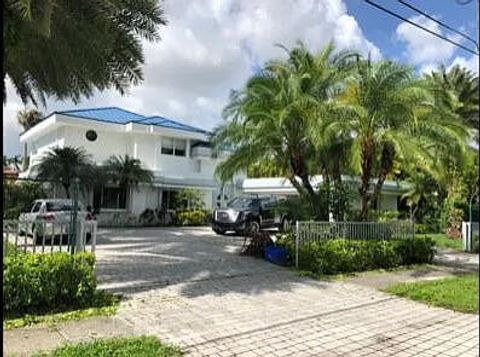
[(18, 195), (127, 172), (64, 165), (67, 49), (275, 117), (390, 115), (190, 198)]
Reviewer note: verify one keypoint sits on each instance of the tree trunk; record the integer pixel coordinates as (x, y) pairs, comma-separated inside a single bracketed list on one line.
[(367, 153), (386, 166), (66, 186)]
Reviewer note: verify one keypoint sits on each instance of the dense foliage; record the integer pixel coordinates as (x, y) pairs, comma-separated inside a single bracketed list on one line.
[(343, 255), (34, 283), (64, 165), (194, 217), (18, 195), (335, 113), (67, 49)]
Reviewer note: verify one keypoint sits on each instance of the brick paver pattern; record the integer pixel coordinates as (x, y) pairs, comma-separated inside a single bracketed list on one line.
[(191, 288)]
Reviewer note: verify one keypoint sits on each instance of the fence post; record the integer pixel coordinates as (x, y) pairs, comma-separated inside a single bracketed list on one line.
[(74, 215), (297, 240)]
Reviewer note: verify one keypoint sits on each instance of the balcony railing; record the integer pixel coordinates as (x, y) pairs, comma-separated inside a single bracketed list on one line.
[(201, 152)]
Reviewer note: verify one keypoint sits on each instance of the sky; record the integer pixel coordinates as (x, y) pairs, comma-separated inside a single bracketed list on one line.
[(210, 47)]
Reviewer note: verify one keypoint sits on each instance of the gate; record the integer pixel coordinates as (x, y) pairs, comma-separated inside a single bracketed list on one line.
[(40, 217)]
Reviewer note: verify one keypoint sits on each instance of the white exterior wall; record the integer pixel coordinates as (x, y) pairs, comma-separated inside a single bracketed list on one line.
[(113, 139)]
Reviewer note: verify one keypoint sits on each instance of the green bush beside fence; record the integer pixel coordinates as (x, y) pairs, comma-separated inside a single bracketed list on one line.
[(35, 283), (196, 217), (335, 256)]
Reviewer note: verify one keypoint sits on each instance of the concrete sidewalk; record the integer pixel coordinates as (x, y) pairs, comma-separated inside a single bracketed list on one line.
[(455, 258), (25, 341)]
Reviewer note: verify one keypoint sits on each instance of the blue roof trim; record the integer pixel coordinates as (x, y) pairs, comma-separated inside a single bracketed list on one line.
[(107, 114), (116, 115), (171, 124)]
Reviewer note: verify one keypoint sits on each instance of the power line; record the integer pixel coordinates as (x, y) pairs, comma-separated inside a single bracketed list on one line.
[(420, 27), (438, 22)]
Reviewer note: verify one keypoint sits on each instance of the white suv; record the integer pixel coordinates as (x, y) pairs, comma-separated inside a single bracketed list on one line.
[(49, 218)]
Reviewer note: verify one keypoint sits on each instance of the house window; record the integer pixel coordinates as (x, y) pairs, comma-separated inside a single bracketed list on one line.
[(169, 200), (109, 198), (167, 146), (180, 147), (171, 146)]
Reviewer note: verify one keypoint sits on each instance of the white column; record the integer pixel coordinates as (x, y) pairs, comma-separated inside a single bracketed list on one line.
[(188, 148)]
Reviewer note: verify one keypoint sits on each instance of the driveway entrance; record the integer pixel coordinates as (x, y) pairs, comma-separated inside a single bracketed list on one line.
[(190, 287)]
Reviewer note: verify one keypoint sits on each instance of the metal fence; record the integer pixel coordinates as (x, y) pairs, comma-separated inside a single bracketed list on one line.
[(310, 231), (47, 237)]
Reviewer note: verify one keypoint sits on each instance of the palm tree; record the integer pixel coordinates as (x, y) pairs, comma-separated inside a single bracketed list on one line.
[(78, 46), (274, 118), (127, 172), (64, 165), (458, 88), (28, 118), (390, 115)]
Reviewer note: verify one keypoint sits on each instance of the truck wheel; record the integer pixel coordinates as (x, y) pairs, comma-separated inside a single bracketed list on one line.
[(285, 225), (219, 231), (253, 227)]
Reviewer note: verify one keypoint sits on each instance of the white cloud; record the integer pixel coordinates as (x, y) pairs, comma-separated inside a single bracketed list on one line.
[(469, 63), (422, 47), (210, 47)]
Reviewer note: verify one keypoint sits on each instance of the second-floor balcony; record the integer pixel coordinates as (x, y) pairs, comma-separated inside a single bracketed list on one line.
[(199, 152)]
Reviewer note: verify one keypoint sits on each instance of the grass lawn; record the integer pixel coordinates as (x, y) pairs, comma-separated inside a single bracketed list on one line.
[(458, 293), (344, 276), (104, 304), (118, 347), (442, 241)]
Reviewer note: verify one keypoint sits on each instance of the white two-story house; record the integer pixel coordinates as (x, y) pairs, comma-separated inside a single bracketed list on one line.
[(179, 155)]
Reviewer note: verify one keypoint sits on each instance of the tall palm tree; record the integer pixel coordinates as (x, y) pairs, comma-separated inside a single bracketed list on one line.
[(28, 118), (386, 112), (127, 172), (64, 165), (458, 88), (274, 118), (78, 46)]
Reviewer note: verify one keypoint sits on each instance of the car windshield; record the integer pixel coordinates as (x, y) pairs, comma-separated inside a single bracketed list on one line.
[(243, 202), (61, 206)]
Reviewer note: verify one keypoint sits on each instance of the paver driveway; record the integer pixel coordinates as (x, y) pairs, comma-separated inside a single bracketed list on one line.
[(190, 287)]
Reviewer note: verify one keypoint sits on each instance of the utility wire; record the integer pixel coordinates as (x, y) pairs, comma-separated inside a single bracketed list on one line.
[(438, 22), (420, 27)]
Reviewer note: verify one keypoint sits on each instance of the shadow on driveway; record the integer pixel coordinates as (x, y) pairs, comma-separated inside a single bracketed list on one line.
[(130, 261)]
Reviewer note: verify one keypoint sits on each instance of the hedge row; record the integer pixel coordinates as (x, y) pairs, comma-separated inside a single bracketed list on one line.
[(34, 283), (195, 217), (344, 256)]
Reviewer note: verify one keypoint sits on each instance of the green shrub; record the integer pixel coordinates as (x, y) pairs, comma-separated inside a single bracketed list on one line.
[(421, 228), (344, 256), (35, 283), (415, 250), (191, 218)]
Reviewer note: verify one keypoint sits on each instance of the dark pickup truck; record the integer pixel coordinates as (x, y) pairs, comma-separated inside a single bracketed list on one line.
[(248, 215)]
